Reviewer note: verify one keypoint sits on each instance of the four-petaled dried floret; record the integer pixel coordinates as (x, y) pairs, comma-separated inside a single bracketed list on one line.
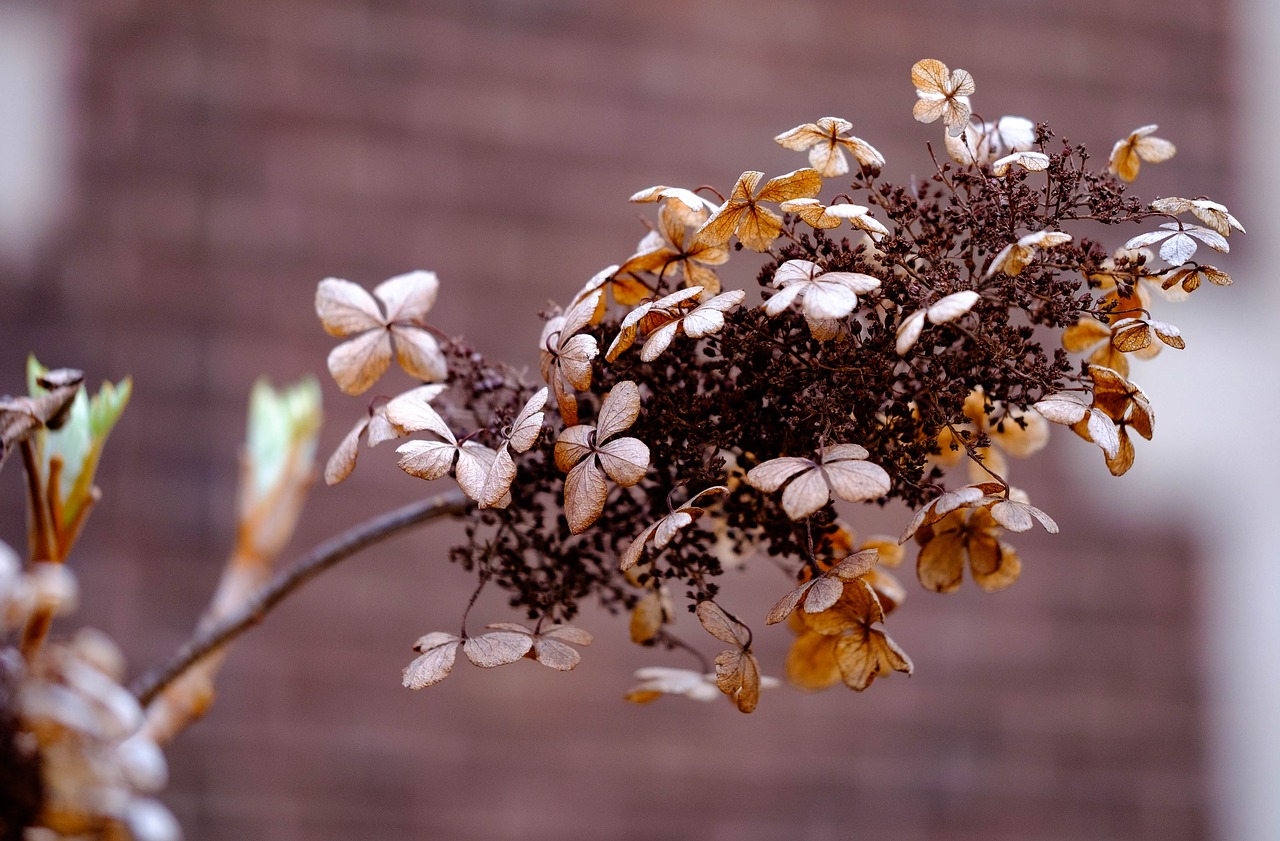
[(1128, 154), (827, 144), (942, 93), (372, 332)]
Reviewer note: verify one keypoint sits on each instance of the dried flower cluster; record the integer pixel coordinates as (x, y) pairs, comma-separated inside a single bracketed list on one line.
[(882, 342), (949, 321)]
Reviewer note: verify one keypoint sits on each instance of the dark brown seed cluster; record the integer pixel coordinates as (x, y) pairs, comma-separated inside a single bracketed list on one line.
[(763, 388)]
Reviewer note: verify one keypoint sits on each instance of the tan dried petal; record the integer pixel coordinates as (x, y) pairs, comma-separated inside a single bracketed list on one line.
[(345, 308), (1030, 161), (1063, 407), (357, 363), (343, 460), (497, 648), (412, 412), (770, 475), (619, 410), (438, 651), (408, 297), (585, 492), (940, 565), (419, 354), (806, 493), (573, 445), (625, 460), (427, 459), (472, 469), (554, 654)]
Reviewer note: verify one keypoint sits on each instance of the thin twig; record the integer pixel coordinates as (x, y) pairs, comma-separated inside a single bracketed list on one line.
[(327, 554)]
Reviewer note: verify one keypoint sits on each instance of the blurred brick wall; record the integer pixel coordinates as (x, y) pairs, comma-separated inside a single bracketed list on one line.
[(233, 153)]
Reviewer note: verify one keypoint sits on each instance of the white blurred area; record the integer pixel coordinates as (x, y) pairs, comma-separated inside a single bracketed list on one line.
[(34, 130), (1212, 464)]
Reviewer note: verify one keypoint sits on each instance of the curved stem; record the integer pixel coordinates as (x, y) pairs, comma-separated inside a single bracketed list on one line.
[(327, 554)]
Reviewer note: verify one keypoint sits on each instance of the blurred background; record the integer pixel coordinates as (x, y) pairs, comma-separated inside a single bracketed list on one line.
[(175, 177)]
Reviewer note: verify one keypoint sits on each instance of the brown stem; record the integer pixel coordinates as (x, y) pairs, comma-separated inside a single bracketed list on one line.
[(327, 554), (43, 549), (42, 541)]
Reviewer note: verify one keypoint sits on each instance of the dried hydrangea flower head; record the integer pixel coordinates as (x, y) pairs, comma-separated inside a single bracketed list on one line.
[(974, 312)]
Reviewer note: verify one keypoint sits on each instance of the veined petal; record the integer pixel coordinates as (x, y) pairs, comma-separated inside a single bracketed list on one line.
[(824, 300), (806, 493), (619, 410), (584, 494), (474, 461), (345, 308), (625, 460), (343, 460), (357, 363), (408, 297), (497, 648), (768, 476), (412, 412), (419, 354), (857, 481), (573, 445), (426, 459)]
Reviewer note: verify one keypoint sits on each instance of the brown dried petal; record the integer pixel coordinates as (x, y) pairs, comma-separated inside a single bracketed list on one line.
[(940, 565), (651, 612), (738, 676), (811, 662), (994, 563), (721, 625), (865, 654)]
